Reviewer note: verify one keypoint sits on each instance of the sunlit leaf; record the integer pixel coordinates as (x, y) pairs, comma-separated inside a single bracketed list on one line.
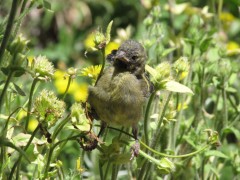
[(6, 142), (177, 87)]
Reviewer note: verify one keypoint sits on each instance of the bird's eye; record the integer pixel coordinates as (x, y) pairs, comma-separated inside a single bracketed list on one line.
[(134, 58)]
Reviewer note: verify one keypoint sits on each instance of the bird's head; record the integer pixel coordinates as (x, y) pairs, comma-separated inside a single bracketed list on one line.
[(130, 56)]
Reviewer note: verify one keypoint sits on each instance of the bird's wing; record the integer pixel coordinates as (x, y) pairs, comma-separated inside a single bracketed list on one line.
[(146, 85)]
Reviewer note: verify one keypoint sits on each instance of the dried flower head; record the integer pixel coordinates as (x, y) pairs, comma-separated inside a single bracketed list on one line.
[(42, 67), (48, 107)]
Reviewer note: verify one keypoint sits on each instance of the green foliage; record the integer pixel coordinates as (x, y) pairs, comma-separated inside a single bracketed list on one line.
[(190, 128)]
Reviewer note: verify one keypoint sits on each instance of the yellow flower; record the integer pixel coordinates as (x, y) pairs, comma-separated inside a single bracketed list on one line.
[(182, 106), (81, 93), (98, 40), (33, 123), (91, 71), (89, 42), (226, 17), (22, 114), (111, 46), (60, 82), (232, 45), (78, 165), (78, 90), (233, 48), (30, 60)]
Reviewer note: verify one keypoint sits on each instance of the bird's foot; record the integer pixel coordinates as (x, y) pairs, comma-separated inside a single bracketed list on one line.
[(135, 150)]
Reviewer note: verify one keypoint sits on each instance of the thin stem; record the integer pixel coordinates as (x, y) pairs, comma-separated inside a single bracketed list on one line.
[(23, 5), (103, 65), (176, 156), (157, 134), (67, 88), (146, 167), (17, 163), (4, 132), (146, 117), (23, 13), (100, 170), (10, 75), (52, 149), (225, 111), (106, 171), (30, 101), (8, 28), (60, 126)]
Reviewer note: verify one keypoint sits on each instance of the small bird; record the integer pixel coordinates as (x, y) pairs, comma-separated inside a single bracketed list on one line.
[(122, 89)]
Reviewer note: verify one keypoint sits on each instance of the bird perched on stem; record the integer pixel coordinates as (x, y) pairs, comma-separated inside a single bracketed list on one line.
[(121, 90)]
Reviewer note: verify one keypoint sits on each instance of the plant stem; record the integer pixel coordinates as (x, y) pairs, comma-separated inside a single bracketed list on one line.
[(176, 156), (8, 28), (100, 170), (146, 166), (67, 88), (106, 171), (30, 102), (53, 146), (3, 154), (225, 111), (146, 117), (23, 13), (23, 5), (157, 134), (103, 65), (18, 162), (59, 127), (10, 75)]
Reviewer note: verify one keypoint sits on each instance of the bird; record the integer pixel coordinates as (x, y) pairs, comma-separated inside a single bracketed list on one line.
[(121, 91)]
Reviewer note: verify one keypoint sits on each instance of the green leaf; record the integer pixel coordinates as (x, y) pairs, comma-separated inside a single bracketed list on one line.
[(18, 72), (46, 5), (151, 71), (216, 153), (165, 166), (205, 44), (167, 51), (6, 142), (177, 87), (108, 32), (232, 130), (122, 158), (19, 90)]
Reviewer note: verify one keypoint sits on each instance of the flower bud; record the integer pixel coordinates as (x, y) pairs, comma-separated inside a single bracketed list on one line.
[(99, 40), (181, 68), (160, 75), (48, 108), (18, 45), (71, 71)]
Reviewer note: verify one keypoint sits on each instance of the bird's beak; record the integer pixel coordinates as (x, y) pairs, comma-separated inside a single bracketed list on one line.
[(121, 55)]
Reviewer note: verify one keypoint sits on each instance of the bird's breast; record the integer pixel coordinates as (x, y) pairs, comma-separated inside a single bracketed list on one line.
[(117, 98)]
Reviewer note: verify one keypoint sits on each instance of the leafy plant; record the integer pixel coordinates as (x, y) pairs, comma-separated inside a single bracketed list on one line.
[(190, 127)]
